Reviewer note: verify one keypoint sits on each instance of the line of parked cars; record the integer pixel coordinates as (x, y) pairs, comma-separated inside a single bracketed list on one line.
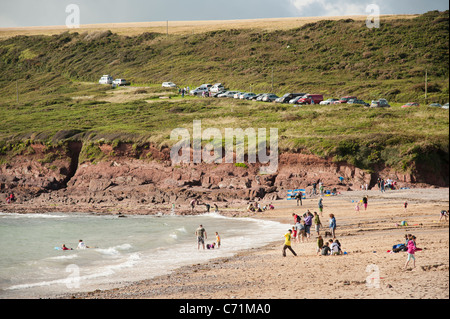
[(108, 79), (219, 91)]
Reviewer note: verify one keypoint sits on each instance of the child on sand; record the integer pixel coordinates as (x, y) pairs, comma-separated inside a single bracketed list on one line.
[(444, 214), (218, 240), (326, 249), (412, 248), (287, 243), (319, 244)]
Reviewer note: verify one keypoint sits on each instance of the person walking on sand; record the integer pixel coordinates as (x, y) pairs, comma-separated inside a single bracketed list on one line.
[(412, 248), (405, 205), (317, 223), (287, 243), (332, 225), (320, 206), (201, 236), (365, 200), (298, 197)]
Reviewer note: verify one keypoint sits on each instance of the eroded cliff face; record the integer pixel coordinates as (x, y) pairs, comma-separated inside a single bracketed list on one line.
[(125, 178)]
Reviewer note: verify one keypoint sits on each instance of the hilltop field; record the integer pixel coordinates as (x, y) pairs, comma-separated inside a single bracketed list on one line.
[(51, 96)]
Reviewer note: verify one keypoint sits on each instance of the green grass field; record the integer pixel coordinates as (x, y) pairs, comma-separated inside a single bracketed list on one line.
[(49, 91)]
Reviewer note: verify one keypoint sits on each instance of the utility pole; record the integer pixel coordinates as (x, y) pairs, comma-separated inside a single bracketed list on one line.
[(272, 79), (17, 91)]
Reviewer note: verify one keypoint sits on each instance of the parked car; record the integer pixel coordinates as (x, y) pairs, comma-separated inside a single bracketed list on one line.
[(227, 94), (411, 104), (296, 99), (380, 103), (345, 99), (121, 82), (208, 86), (328, 102), (106, 79), (445, 106), (435, 105), (257, 96), (169, 85), (247, 96), (199, 90), (288, 97), (359, 102), (217, 88), (237, 95), (311, 99), (261, 97), (270, 98)]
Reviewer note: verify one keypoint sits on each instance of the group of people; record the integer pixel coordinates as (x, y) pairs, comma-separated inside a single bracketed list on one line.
[(10, 198), (386, 184), (301, 230), (331, 247), (194, 202), (258, 208), (202, 236), (81, 245)]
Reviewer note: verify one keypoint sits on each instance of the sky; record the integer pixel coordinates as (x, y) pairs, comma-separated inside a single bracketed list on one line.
[(23, 13)]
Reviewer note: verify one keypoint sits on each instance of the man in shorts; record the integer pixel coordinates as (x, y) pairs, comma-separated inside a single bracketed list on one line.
[(201, 236)]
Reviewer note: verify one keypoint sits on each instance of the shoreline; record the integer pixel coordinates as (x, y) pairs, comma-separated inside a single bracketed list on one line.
[(262, 273)]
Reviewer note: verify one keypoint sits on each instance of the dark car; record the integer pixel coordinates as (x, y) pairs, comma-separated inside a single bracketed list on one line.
[(287, 97), (359, 102)]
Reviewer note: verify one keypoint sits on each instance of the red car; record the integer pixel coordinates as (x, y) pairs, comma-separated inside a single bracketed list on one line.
[(411, 104), (345, 99)]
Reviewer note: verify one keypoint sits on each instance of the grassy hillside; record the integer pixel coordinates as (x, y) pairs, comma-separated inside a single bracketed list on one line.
[(58, 99)]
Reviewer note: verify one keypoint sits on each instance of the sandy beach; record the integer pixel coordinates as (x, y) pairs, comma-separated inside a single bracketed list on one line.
[(366, 237)]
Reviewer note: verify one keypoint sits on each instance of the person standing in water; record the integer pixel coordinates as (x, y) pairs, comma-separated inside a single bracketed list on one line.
[(201, 236)]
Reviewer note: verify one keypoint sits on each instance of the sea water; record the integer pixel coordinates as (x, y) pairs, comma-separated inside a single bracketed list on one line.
[(122, 250)]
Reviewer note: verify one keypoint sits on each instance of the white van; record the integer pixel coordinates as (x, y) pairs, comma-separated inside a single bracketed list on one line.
[(106, 79), (217, 88)]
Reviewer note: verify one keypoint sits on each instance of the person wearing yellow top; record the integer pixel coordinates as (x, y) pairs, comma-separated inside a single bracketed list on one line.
[(287, 243), (218, 240)]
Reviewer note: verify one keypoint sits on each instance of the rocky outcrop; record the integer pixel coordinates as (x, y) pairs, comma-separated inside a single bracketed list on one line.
[(130, 179)]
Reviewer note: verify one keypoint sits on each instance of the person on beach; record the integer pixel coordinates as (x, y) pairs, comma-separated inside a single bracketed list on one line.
[(216, 208), (298, 197), (319, 244), (405, 205), (444, 214), (287, 243), (326, 249), (317, 223), (365, 200), (192, 204), (357, 207), (332, 225), (218, 240), (201, 236), (334, 247), (308, 224), (320, 206), (412, 248)]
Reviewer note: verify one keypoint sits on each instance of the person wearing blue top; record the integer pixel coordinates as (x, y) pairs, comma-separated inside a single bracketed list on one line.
[(333, 225)]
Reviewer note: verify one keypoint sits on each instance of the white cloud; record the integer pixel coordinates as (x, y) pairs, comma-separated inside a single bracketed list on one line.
[(313, 8)]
